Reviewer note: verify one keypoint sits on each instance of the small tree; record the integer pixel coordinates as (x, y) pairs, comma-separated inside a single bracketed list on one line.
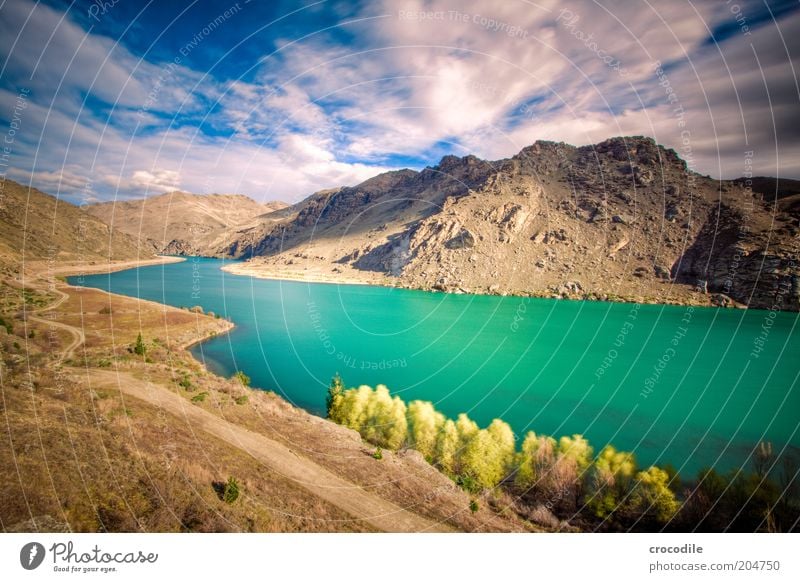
[(334, 397), (231, 491), (424, 426), (446, 448), (651, 496), (609, 480), (139, 348), (535, 460)]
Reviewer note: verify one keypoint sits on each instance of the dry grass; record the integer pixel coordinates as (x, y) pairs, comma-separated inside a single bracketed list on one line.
[(95, 462), (113, 322)]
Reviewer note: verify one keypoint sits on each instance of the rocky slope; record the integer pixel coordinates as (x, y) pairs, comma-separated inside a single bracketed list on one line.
[(181, 223), (35, 225), (624, 218)]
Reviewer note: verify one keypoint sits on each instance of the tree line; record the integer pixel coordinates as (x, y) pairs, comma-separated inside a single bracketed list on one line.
[(607, 488)]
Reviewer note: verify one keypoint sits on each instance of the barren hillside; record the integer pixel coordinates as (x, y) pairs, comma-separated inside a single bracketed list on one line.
[(624, 218), (35, 225), (179, 222)]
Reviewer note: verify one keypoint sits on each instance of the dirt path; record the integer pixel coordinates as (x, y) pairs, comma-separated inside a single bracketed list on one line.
[(374, 510)]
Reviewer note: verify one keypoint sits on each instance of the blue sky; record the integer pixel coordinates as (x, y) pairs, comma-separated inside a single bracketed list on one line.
[(279, 99)]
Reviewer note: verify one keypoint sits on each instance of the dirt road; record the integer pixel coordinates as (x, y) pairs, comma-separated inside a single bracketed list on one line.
[(78, 337), (378, 512)]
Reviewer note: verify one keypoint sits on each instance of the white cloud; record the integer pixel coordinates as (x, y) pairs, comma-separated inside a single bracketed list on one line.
[(162, 180), (406, 85)]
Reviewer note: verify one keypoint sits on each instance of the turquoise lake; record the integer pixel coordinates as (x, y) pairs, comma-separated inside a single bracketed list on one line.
[(693, 387)]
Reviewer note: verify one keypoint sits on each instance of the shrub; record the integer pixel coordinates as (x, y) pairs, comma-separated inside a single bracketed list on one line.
[(424, 425), (379, 418), (199, 397), (609, 480), (473, 506), (385, 422), (535, 461), (651, 496), (352, 410), (231, 491), (139, 348), (576, 448), (488, 453), (243, 378), (446, 448), (241, 400), (468, 483), (564, 471)]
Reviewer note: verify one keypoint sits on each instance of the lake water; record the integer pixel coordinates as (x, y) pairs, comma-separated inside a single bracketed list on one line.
[(693, 387)]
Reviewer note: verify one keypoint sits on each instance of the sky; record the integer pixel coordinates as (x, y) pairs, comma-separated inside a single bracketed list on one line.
[(277, 99)]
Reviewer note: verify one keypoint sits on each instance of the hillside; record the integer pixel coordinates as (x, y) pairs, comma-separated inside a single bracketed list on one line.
[(624, 218), (35, 225), (179, 222)]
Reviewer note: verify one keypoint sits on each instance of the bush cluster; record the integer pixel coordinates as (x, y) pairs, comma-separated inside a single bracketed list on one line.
[(565, 475)]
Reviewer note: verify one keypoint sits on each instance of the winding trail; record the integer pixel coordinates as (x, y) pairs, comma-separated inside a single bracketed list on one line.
[(78, 337)]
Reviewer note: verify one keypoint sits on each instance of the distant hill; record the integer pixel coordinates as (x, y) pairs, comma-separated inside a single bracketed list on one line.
[(180, 222), (770, 188), (624, 217), (35, 225)]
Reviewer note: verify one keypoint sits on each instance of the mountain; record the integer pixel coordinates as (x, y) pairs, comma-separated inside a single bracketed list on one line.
[(625, 218), (770, 188), (179, 222), (35, 225)]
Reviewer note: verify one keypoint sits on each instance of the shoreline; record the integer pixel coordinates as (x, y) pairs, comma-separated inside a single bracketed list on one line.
[(245, 270), (51, 277), (113, 267), (240, 268)]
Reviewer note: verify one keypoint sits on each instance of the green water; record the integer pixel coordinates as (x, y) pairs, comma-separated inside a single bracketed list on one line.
[(673, 384)]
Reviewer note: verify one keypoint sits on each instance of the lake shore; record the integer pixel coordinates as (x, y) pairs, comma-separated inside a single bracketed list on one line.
[(306, 271), (77, 268), (307, 274)]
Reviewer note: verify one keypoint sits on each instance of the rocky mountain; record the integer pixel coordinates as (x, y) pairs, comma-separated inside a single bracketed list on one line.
[(624, 218), (35, 225), (179, 222)]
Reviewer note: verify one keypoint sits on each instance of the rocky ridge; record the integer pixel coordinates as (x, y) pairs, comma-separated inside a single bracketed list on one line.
[(624, 218)]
